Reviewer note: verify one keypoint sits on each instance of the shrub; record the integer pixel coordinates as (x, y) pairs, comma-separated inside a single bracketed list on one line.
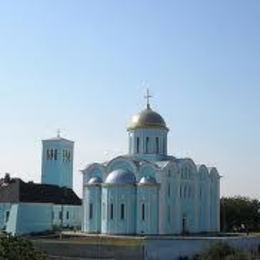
[(221, 251), (16, 248)]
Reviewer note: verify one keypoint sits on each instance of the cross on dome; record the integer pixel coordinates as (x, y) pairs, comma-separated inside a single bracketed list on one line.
[(147, 97), (58, 133)]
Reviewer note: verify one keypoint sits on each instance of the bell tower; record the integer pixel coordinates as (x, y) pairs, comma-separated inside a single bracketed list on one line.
[(57, 161)]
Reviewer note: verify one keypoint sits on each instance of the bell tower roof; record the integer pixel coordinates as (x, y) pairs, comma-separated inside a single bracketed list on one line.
[(58, 138)]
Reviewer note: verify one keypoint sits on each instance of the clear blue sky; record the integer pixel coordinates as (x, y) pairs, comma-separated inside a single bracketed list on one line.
[(79, 66)]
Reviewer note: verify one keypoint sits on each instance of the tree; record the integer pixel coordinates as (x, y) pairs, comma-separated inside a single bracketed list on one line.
[(237, 212), (16, 248)]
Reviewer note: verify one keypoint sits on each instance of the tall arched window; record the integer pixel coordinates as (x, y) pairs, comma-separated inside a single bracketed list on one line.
[(122, 211), (48, 154), (55, 154), (111, 211), (143, 211), (90, 211), (157, 144), (137, 144), (147, 145)]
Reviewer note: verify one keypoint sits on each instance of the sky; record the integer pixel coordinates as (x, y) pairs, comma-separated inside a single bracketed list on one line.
[(82, 66)]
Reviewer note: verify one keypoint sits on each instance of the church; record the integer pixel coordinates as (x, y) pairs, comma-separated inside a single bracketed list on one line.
[(148, 191)]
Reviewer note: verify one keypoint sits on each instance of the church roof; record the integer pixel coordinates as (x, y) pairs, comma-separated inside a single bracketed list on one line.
[(15, 191), (58, 138)]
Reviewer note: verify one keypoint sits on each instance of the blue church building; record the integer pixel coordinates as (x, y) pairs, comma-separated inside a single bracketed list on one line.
[(148, 191)]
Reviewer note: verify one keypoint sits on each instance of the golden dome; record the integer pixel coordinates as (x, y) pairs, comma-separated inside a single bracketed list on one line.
[(147, 119)]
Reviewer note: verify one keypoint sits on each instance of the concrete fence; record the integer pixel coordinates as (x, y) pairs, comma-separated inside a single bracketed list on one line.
[(145, 248)]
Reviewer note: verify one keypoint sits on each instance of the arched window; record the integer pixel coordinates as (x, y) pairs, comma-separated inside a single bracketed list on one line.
[(111, 211), (169, 190), (48, 154), (143, 212), (137, 144), (122, 215), (147, 145), (55, 154), (157, 144), (90, 210)]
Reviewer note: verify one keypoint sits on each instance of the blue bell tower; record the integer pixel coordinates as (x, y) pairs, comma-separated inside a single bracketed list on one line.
[(57, 161)]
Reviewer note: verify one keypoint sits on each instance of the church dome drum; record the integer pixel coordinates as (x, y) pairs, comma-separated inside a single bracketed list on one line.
[(120, 177)]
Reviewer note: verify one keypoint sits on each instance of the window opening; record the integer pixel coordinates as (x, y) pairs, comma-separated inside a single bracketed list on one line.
[(111, 211), (143, 211), (147, 145), (137, 144), (157, 144), (122, 211), (90, 211)]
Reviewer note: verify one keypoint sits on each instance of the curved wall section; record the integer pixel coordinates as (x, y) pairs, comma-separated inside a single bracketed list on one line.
[(118, 209), (92, 209), (147, 209)]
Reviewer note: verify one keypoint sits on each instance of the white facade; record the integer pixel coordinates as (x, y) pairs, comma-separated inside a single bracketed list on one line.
[(155, 192)]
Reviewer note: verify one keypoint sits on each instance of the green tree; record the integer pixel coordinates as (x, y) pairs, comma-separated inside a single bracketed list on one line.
[(239, 211), (16, 248)]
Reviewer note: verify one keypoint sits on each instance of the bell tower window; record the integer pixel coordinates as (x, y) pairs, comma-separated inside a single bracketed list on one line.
[(55, 154), (52, 154), (66, 156)]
